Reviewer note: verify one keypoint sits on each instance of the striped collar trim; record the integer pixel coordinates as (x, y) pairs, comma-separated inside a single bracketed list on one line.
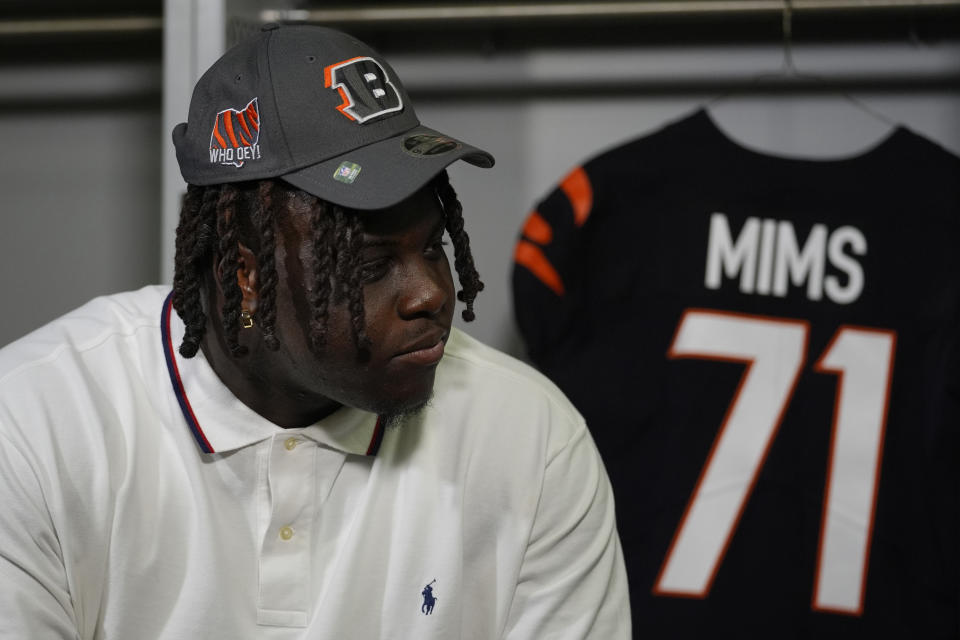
[(219, 422)]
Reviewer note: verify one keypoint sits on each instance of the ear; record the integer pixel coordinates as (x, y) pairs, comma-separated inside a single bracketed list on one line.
[(247, 277)]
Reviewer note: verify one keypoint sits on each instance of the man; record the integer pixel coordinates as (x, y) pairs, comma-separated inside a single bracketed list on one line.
[(306, 441)]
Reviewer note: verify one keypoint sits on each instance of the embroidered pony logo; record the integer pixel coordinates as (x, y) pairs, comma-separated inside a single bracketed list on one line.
[(428, 599)]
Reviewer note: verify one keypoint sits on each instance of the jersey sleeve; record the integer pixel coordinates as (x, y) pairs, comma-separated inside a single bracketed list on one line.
[(548, 274), (35, 601), (572, 582)]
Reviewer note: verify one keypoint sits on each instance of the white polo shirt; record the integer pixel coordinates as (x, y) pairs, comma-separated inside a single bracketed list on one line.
[(140, 499)]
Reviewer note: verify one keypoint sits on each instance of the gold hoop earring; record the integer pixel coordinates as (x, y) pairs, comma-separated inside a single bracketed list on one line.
[(246, 320)]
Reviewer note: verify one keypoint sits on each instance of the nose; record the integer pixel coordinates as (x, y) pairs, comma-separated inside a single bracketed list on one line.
[(425, 290)]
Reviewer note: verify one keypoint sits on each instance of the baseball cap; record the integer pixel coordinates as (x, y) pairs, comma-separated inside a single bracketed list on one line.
[(319, 109)]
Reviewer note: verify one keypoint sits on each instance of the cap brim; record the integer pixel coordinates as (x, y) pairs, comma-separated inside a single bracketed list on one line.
[(387, 172)]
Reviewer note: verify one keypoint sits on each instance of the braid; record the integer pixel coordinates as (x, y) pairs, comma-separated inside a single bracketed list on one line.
[(463, 256), (228, 230), (354, 283), (186, 240), (345, 251), (193, 244), (266, 260), (341, 253), (321, 223)]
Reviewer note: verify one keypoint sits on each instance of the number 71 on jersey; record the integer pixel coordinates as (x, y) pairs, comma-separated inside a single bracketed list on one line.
[(774, 351)]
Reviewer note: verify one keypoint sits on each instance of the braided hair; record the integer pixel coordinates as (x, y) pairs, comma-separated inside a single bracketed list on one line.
[(213, 219)]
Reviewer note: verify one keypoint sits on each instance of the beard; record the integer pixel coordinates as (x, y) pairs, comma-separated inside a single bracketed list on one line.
[(396, 418)]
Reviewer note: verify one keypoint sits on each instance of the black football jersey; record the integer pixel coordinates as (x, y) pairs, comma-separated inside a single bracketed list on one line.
[(766, 351)]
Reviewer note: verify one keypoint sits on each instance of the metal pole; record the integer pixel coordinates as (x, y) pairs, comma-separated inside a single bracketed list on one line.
[(82, 26), (486, 13), (401, 15)]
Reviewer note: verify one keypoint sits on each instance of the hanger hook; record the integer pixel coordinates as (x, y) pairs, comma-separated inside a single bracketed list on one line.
[(787, 27)]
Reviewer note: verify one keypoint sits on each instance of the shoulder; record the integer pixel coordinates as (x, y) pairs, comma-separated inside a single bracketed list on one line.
[(74, 377), (84, 330), (665, 143), (486, 385), (494, 371)]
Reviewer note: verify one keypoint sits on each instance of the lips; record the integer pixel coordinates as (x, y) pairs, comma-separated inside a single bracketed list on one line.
[(426, 351)]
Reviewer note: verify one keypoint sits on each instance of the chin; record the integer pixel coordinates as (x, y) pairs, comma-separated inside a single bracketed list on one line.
[(410, 395)]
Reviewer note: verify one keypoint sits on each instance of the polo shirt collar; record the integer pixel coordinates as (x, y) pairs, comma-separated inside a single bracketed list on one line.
[(220, 422)]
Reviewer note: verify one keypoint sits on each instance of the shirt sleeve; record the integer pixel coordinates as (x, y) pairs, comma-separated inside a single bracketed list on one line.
[(572, 582), (35, 601)]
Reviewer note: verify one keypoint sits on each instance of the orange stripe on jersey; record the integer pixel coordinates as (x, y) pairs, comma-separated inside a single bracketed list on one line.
[(530, 256), (216, 134), (538, 229), (228, 125), (579, 192)]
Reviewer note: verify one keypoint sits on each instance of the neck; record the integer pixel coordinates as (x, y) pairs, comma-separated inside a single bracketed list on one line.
[(247, 377)]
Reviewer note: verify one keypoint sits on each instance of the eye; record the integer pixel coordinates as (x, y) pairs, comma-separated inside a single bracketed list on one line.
[(434, 250), (374, 270)]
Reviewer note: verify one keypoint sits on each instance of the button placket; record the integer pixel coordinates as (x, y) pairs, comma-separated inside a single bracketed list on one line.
[(285, 562)]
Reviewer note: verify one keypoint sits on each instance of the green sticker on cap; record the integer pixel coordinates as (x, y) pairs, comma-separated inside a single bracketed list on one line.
[(347, 172)]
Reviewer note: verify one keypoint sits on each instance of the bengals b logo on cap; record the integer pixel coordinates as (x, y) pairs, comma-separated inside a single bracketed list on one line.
[(364, 87)]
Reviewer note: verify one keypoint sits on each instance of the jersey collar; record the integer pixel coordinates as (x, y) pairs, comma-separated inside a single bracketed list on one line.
[(220, 422)]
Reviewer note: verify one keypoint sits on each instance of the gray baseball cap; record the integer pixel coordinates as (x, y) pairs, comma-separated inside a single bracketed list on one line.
[(319, 109)]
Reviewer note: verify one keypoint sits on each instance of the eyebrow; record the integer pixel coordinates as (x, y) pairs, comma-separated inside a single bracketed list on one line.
[(437, 230)]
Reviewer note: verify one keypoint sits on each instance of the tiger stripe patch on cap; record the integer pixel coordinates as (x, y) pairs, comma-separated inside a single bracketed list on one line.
[(236, 135)]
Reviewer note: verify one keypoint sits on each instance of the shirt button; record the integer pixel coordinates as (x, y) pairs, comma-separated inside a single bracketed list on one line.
[(286, 533), (290, 444)]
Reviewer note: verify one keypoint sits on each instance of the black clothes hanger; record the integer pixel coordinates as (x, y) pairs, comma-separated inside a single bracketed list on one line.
[(797, 114), (790, 70)]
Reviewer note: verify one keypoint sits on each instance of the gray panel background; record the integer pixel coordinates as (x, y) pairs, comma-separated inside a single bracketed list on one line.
[(79, 188)]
